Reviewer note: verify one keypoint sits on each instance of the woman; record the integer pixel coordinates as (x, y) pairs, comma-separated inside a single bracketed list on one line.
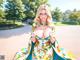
[(43, 45)]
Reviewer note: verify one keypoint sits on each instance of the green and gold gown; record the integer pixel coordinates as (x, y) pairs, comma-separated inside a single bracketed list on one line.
[(42, 49)]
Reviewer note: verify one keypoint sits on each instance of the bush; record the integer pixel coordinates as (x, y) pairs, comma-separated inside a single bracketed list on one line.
[(9, 25), (70, 23)]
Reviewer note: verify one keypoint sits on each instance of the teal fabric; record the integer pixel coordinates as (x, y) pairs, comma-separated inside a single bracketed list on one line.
[(55, 55), (30, 55)]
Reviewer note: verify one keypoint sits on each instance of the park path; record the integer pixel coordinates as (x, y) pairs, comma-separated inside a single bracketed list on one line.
[(13, 40)]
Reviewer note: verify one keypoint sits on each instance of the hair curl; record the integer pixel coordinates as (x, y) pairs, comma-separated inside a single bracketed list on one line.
[(36, 21)]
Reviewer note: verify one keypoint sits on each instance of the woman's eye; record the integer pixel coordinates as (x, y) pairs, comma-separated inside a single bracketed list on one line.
[(43, 14)]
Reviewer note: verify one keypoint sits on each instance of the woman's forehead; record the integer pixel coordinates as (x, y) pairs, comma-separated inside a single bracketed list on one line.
[(43, 11)]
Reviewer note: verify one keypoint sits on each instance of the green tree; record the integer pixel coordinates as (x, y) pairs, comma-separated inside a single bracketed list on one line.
[(75, 17), (31, 7), (66, 16), (57, 14), (11, 10), (2, 14), (1, 1), (20, 8), (15, 10)]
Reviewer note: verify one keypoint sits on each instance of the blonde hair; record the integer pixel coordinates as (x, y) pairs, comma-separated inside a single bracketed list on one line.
[(45, 7)]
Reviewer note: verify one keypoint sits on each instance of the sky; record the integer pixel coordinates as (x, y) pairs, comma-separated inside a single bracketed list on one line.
[(65, 4)]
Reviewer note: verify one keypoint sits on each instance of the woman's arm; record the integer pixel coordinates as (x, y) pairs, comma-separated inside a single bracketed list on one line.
[(52, 39), (52, 35)]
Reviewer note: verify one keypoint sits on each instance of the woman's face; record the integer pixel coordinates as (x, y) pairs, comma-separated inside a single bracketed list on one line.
[(43, 16)]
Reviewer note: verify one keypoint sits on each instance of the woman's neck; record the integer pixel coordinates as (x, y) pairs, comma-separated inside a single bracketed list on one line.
[(43, 23)]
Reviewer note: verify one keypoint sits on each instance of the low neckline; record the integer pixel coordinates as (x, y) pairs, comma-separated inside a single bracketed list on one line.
[(40, 38), (43, 27)]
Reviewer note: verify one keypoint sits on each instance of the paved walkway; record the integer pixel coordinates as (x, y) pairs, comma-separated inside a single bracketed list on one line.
[(13, 40)]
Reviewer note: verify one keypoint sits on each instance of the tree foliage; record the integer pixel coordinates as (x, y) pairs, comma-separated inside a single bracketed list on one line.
[(57, 14)]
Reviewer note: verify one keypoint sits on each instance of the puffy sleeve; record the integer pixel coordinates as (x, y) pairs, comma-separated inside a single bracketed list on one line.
[(23, 53)]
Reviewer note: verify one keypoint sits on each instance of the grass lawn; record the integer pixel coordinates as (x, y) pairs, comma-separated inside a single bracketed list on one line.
[(62, 24)]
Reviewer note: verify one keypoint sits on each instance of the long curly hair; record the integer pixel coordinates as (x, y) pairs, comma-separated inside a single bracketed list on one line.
[(36, 21)]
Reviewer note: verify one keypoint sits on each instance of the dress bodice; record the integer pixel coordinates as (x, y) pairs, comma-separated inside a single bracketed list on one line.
[(43, 47), (39, 33)]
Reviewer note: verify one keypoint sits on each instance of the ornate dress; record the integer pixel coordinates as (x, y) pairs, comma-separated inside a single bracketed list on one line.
[(42, 49)]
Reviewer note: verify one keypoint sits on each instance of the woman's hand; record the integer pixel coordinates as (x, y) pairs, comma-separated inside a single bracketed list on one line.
[(53, 39), (33, 40)]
